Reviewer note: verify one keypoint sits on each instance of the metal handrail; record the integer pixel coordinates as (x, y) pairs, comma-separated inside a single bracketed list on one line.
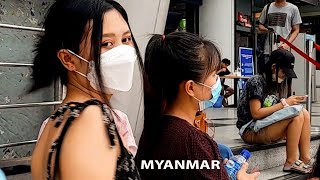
[(10, 26), (5, 64), (17, 144), (7, 106)]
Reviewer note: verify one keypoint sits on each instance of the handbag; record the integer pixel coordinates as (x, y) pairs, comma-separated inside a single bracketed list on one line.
[(201, 122), (282, 114)]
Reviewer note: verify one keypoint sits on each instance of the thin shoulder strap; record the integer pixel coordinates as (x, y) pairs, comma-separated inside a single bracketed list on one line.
[(267, 18), (75, 110)]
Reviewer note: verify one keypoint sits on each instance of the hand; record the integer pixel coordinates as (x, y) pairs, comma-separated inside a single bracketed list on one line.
[(223, 70), (243, 175), (270, 29), (284, 46), (294, 100)]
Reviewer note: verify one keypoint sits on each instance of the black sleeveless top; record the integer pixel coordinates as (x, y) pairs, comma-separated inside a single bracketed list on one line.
[(126, 168)]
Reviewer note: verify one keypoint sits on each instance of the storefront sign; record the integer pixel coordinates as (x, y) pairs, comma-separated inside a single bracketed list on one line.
[(246, 64), (246, 61)]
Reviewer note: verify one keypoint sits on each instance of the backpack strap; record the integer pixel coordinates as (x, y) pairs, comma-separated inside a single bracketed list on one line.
[(267, 18)]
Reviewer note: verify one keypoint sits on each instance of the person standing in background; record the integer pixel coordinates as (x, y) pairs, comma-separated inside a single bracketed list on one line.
[(284, 18)]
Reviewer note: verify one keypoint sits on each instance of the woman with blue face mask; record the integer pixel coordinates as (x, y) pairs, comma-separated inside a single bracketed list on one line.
[(88, 45), (181, 75)]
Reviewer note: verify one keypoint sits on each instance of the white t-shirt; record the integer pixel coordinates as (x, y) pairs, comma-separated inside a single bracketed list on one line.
[(281, 20)]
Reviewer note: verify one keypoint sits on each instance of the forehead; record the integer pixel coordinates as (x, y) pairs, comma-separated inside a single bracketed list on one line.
[(114, 23)]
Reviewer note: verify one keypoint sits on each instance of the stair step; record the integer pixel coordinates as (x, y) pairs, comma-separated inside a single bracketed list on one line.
[(25, 176), (276, 173), (270, 156), (263, 156), (272, 173)]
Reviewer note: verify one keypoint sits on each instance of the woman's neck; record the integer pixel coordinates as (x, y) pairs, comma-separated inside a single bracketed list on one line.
[(77, 93), (183, 110), (280, 4)]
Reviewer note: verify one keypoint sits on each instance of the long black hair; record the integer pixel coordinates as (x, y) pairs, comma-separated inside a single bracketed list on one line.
[(66, 26), (170, 60), (273, 87)]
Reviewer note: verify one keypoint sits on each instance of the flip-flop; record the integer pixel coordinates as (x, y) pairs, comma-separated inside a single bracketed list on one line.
[(298, 167)]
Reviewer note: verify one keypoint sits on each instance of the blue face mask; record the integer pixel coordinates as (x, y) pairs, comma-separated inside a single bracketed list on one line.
[(215, 92)]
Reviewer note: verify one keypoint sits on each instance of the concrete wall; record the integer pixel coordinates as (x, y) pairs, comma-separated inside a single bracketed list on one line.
[(146, 17), (217, 24), (300, 84), (16, 47)]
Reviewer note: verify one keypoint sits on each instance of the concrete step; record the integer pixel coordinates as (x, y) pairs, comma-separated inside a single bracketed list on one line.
[(269, 159), (276, 173), (25, 176)]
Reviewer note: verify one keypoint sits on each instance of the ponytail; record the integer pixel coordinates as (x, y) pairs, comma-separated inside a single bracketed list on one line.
[(170, 60)]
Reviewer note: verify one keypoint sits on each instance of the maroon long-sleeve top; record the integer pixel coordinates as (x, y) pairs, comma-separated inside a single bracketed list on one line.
[(179, 140)]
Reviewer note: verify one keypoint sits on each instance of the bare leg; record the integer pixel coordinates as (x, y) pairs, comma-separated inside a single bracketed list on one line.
[(304, 144), (293, 137)]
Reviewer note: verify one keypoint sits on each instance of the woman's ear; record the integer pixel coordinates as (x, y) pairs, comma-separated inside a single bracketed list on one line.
[(189, 87), (67, 59)]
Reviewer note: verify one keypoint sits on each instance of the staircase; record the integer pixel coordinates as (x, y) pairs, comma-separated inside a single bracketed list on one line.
[(268, 158)]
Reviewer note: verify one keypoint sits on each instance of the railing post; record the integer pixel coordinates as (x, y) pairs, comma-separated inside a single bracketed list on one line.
[(309, 44)]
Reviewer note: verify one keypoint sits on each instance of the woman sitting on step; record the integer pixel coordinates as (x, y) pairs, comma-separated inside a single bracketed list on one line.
[(267, 115), (181, 74)]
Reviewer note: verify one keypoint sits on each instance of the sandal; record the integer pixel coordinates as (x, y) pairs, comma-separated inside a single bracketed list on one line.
[(298, 167), (311, 162)]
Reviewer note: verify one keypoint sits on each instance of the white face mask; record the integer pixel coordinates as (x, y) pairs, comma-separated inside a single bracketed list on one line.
[(279, 79), (117, 66)]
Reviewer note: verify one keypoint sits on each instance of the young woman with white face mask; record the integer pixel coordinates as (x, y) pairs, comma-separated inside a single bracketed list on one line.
[(181, 72), (266, 94), (88, 45)]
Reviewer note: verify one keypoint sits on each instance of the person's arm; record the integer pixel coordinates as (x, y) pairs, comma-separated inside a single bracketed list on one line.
[(221, 70), (296, 21), (203, 148), (43, 125), (262, 21), (258, 112), (294, 33), (125, 131), (86, 151), (263, 29)]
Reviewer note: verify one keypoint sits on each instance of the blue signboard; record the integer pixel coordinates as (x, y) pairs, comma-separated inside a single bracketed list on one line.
[(246, 63)]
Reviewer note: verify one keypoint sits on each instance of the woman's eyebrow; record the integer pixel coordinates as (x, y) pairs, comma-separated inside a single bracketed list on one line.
[(113, 34)]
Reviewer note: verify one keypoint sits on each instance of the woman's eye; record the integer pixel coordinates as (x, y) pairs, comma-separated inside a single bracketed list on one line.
[(107, 44), (127, 40)]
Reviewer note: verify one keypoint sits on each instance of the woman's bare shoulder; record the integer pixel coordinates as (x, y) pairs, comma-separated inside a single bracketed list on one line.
[(87, 146)]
